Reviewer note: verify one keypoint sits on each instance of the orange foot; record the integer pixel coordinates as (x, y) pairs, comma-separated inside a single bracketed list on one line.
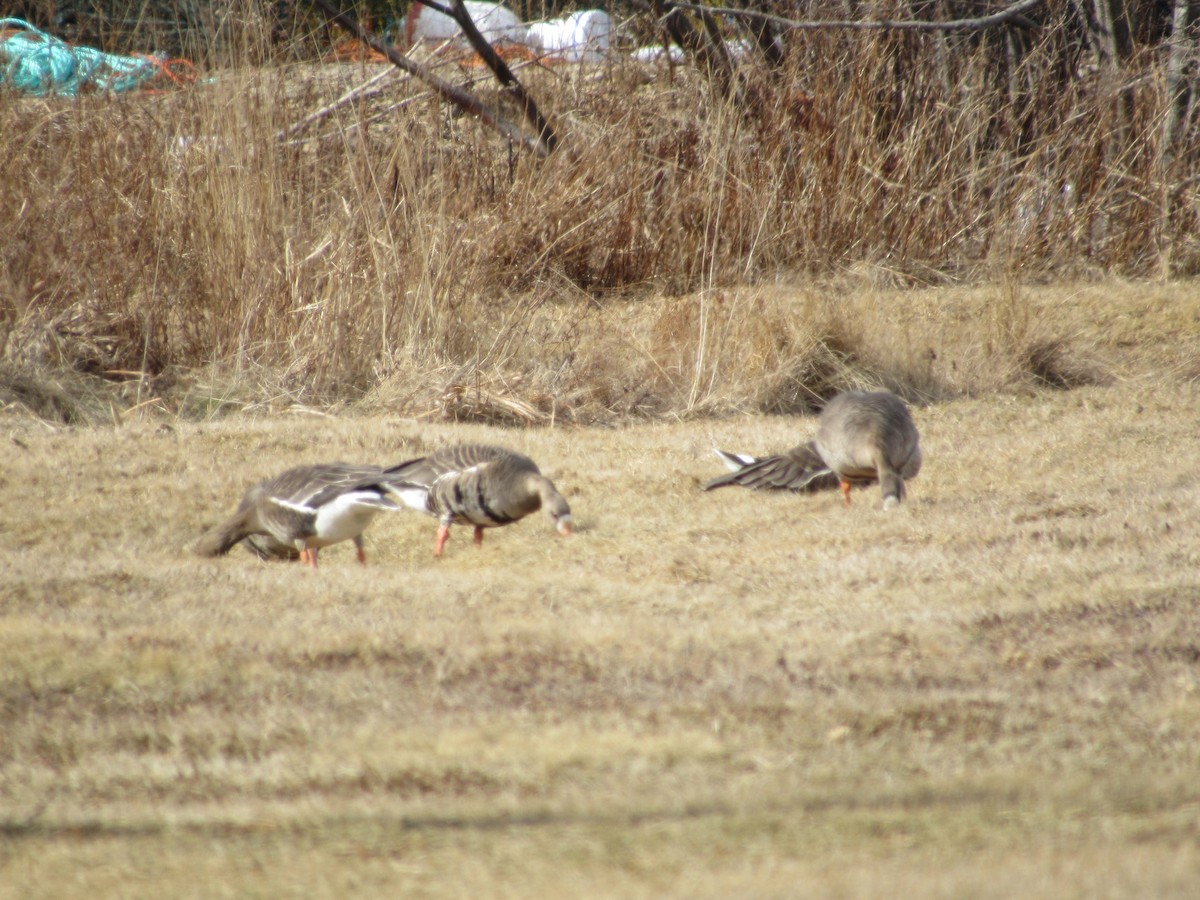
[(443, 535)]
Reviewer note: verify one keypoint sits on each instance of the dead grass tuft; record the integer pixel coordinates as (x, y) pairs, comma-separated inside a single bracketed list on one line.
[(45, 398), (1050, 362), (803, 382), (472, 403)]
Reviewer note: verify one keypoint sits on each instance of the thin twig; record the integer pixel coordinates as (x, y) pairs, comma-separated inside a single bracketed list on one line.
[(336, 104), (1007, 15)]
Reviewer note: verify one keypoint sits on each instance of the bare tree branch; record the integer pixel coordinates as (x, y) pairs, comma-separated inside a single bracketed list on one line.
[(1012, 14), (689, 39), (469, 103), (766, 39), (504, 75)]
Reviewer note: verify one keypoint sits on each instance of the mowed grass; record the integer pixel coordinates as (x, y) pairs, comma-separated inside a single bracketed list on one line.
[(993, 691)]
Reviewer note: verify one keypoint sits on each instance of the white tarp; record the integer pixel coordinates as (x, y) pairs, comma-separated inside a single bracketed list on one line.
[(585, 36), (496, 22)]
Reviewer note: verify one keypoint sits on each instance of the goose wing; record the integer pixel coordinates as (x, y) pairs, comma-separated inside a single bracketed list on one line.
[(457, 458), (315, 485), (800, 469)]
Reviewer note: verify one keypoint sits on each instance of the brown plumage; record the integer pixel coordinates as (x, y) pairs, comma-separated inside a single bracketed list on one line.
[(479, 485), (306, 508), (799, 469), (861, 438), (870, 436)]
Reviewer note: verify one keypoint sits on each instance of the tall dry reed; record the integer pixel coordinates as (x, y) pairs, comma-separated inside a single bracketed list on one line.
[(221, 225)]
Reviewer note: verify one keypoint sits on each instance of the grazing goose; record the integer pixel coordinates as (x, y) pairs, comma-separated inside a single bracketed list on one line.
[(476, 484), (799, 469), (308, 507), (867, 436)]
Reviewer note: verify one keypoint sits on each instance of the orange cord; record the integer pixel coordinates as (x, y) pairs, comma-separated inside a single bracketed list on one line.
[(174, 72), (354, 50)]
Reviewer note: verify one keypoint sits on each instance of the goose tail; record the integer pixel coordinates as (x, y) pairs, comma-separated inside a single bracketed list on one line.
[(893, 489)]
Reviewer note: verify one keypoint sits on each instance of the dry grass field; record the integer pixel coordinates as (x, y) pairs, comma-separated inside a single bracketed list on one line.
[(993, 691)]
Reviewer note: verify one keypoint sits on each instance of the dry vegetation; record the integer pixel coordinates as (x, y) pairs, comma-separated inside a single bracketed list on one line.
[(222, 243), (991, 692)]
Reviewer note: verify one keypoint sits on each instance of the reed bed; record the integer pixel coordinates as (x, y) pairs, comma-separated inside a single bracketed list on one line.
[(255, 233)]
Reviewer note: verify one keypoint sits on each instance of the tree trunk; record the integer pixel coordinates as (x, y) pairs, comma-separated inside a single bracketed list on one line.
[(1108, 23), (1181, 49), (1110, 30)]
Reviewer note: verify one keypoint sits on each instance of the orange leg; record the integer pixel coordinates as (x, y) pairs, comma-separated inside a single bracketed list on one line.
[(478, 535), (308, 556), (358, 546), (846, 491), (443, 535)]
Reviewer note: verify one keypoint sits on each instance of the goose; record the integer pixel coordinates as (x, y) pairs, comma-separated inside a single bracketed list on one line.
[(867, 436), (799, 469), (477, 484), (862, 437), (307, 507)]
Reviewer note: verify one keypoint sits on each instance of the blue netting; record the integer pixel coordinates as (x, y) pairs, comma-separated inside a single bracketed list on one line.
[(38, 63)]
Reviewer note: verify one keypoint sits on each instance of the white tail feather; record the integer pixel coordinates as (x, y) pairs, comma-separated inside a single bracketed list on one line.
[(735, 462)]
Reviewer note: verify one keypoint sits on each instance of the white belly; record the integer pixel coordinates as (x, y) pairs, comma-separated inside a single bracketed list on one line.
[(347, 517)]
